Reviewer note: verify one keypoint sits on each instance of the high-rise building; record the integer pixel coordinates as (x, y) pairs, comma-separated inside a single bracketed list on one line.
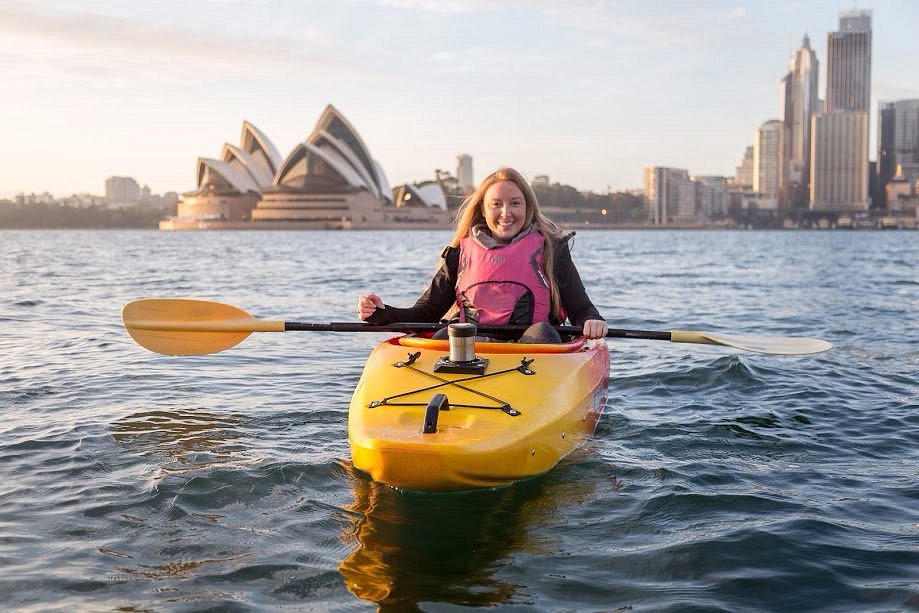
[(799, 105), (743, 174), (711, 195), (671, 195), (886, 162), (848, 77), (898, 144), (464, 172), (121, 190), (839, 163), (839, 135), (769, 162)]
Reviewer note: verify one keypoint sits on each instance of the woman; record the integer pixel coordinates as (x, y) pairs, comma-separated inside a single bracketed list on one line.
[(507, 264)]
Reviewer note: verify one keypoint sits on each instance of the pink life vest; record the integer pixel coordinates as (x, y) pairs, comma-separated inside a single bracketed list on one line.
[(504, 284)]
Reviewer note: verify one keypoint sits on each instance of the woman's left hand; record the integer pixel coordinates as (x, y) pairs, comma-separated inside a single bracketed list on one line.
[(595, 328)]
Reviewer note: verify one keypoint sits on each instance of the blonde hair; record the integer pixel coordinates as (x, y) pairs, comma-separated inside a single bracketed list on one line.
[(471, 214)]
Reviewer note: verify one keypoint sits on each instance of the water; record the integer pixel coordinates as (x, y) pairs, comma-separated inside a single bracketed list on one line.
[(716, 481)]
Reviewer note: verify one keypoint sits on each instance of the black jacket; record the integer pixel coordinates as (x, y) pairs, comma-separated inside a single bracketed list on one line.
[(434, 304)]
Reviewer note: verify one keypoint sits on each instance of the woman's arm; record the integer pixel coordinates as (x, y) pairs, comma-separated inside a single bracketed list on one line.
[(433, 304), (571, 290)]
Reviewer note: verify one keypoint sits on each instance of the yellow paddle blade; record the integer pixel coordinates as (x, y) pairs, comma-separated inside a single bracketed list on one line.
[(176, 326), (776, 345)]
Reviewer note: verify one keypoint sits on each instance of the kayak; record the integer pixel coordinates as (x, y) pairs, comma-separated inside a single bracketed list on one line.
[(420, 421)]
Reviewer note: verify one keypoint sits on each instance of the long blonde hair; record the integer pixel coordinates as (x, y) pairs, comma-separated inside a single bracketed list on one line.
[(471, 214)]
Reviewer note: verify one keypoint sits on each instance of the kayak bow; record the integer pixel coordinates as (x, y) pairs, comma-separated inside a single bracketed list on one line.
[(413, 426)]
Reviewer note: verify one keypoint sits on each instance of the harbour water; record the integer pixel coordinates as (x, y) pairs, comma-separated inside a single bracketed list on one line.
[(717, 480)]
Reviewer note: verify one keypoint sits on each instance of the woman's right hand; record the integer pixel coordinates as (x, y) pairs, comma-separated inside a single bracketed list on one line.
[(367, 304)]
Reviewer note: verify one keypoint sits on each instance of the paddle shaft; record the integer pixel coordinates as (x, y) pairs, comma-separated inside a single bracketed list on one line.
[(409, 328), (789, 346), (265, 325)]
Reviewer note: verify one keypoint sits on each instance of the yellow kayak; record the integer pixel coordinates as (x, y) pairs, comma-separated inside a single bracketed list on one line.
[(414, 424)]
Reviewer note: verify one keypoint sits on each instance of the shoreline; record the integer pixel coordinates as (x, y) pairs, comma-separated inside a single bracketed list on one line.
[(394, 227)]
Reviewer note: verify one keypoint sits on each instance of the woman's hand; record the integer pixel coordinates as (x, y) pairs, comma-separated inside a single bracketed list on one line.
[(595, 328), (367, 304)]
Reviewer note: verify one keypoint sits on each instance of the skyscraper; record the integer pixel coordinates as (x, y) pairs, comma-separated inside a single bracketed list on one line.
[(839, 157), (800, 103), (839, 164), (898, 143), (464, 172), (769, 162), (848, 77)]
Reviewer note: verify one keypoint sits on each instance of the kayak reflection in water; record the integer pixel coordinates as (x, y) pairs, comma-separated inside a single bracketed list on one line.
[(507, 264), (414, 548)]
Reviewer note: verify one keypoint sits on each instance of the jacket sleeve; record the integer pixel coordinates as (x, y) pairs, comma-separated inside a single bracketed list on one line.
[(571, 290), (433, 305)]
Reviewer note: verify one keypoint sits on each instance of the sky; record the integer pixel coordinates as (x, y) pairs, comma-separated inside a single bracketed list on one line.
[(587, 92)]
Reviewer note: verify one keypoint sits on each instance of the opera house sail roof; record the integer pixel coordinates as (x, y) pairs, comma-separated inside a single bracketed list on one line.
[(243, 161), (334, 135), (309, 168), (262, 150), (217, 176)]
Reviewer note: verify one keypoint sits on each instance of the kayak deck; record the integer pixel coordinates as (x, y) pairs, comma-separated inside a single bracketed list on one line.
[(532, 405)]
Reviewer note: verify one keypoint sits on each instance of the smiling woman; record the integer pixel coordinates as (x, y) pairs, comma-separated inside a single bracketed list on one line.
[(505, 210), (507, 264)]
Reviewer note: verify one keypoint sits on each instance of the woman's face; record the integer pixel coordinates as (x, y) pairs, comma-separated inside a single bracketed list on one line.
[(504, 209)]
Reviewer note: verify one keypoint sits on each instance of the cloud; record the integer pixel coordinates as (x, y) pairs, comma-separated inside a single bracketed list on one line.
[(447, 6), (737, 13), (643, 25), (73, 33), (314, 36), (608, 23), (598, 42)]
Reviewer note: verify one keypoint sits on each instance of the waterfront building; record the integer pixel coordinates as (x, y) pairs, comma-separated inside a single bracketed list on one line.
[(898, 144), (228, 188), (120, 191), (671, 195), (711, 195), (464, 175), (328, 181), (769, 163), (800, 102), (901, 193), (423, 203), (427, 193)]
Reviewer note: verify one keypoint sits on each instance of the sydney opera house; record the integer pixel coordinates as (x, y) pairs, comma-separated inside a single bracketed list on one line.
[(328, 182)]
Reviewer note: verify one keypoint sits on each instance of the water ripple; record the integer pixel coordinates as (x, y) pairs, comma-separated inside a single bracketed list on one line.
[(717, 481)]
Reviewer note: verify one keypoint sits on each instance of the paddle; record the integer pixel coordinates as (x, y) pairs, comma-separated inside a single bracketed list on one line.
[(177, 326)]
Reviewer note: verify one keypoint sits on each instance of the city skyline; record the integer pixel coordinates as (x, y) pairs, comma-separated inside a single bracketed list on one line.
[(588, 96)]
